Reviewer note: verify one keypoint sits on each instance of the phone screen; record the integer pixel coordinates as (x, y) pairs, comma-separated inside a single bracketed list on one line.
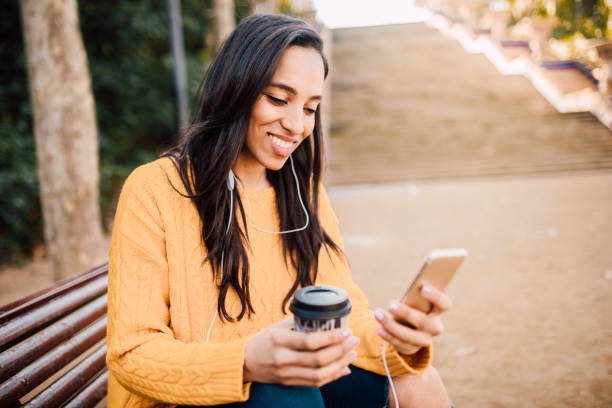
[(437, 271)]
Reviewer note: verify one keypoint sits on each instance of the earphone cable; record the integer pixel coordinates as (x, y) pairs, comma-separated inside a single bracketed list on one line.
[(229, 223), (299, 197), (384, 360)]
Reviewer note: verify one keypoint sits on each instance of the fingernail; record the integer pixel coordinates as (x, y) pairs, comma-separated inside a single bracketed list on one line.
[(346, 371), (346, 332), (394, 307), (355, 341), (380, 331), (426, 290), (378, 315)]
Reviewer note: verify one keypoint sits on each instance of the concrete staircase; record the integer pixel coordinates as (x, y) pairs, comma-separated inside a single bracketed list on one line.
[(411, 104)]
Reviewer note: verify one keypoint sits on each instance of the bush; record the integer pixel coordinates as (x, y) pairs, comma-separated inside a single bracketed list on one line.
[(128, 48), (588, 17), (20, 217)]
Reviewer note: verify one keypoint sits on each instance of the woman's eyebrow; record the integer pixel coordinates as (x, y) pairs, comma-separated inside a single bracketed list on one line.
[(292, 91)]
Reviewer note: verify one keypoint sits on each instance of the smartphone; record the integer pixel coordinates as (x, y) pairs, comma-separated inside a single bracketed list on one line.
[(439, 267)]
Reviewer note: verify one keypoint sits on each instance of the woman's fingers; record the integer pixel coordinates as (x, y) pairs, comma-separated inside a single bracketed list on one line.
[(406, 348), (292, 352), (277, 355), (329, 355), (441, 302), (406, 314), (312, 359), (316, 377), (429, 323), (409, 329), (402, 335), (309, 341)]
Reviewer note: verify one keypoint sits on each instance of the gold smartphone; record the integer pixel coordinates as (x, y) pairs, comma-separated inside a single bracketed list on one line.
[(439, 267)]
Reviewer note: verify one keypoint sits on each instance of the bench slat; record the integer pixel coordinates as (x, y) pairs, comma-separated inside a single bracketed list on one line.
[(71, 382), (37, 372), (92, 394), (22, 305), (15, 329), (19, 356)]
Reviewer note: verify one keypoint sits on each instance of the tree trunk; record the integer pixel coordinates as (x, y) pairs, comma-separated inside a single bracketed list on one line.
[(267, 6), (65, 133), (225, 20), (178, 56), (252, 6)]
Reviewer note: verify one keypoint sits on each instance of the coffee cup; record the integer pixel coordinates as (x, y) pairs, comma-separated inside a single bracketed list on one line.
[(320, 308)]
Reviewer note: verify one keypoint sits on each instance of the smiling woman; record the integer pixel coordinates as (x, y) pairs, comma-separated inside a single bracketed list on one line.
[(199, 284), (283, 115)]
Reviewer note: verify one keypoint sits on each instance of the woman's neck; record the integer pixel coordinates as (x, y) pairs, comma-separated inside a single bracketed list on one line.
[(251, 173)]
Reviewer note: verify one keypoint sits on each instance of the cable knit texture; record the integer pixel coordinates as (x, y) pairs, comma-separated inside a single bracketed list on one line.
[(162, 298)]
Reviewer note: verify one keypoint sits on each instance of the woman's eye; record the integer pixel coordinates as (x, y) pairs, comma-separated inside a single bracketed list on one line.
[(276, 101), (310, 111)]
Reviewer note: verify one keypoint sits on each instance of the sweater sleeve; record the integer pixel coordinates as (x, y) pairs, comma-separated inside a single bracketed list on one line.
[(143, 353), (334, 270)]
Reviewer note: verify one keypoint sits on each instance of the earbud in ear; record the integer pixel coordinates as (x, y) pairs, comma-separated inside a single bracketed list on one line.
[(231, 180)]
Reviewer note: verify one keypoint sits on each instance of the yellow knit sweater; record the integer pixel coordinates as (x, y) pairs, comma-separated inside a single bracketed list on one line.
[(162, 299)]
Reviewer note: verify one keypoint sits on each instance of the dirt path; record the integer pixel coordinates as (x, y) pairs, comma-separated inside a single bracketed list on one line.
[(17, 282), (531, 323)]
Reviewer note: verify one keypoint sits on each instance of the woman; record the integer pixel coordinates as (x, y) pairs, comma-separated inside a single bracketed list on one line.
[(212, 240)]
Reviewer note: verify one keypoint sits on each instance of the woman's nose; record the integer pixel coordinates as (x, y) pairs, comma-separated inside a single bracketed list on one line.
[(293, 121)]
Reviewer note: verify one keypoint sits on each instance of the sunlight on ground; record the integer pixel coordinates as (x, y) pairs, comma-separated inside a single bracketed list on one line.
[(358, 13)]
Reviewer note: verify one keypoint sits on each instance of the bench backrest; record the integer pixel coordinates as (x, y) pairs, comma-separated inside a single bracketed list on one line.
[(53, 345)]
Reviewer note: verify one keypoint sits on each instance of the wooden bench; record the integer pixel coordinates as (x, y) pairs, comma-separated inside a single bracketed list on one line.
[(53, 345)]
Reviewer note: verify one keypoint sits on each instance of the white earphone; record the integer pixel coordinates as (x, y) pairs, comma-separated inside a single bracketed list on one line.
[(231, 181), (231, 186)]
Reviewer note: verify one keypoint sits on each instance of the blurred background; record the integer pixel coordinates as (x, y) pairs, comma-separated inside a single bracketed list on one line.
[(477, 124)]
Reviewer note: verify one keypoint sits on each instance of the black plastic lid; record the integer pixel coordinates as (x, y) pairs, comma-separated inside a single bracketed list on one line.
[(320, 302)]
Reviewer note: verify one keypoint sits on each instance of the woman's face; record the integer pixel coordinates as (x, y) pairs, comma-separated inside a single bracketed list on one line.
[(284, 113)]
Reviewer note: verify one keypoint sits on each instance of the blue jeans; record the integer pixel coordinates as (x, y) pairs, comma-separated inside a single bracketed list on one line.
[(359, 389)]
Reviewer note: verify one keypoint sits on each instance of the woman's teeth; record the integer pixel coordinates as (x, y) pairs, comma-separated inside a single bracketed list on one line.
[(281, 143)]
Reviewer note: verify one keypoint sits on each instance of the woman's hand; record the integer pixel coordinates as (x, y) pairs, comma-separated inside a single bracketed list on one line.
[(282, 356), (396, 323)]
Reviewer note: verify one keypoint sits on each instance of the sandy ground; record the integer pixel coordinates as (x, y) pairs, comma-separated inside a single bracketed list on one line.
[(17, 282), (532, 320)]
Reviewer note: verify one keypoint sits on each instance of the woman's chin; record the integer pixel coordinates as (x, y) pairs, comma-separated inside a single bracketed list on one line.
[(275, 163), (276, 166)]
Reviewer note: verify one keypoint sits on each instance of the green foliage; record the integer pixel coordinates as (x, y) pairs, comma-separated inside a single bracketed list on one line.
[(130, 59), (588, 17), (242, 8), (20, 218), (285, 8), (128, 47)]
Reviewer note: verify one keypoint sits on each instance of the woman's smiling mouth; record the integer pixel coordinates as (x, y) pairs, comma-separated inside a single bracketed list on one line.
[(281, 146)]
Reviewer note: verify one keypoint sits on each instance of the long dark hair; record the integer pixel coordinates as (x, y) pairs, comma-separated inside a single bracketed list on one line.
[(210, 146)]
